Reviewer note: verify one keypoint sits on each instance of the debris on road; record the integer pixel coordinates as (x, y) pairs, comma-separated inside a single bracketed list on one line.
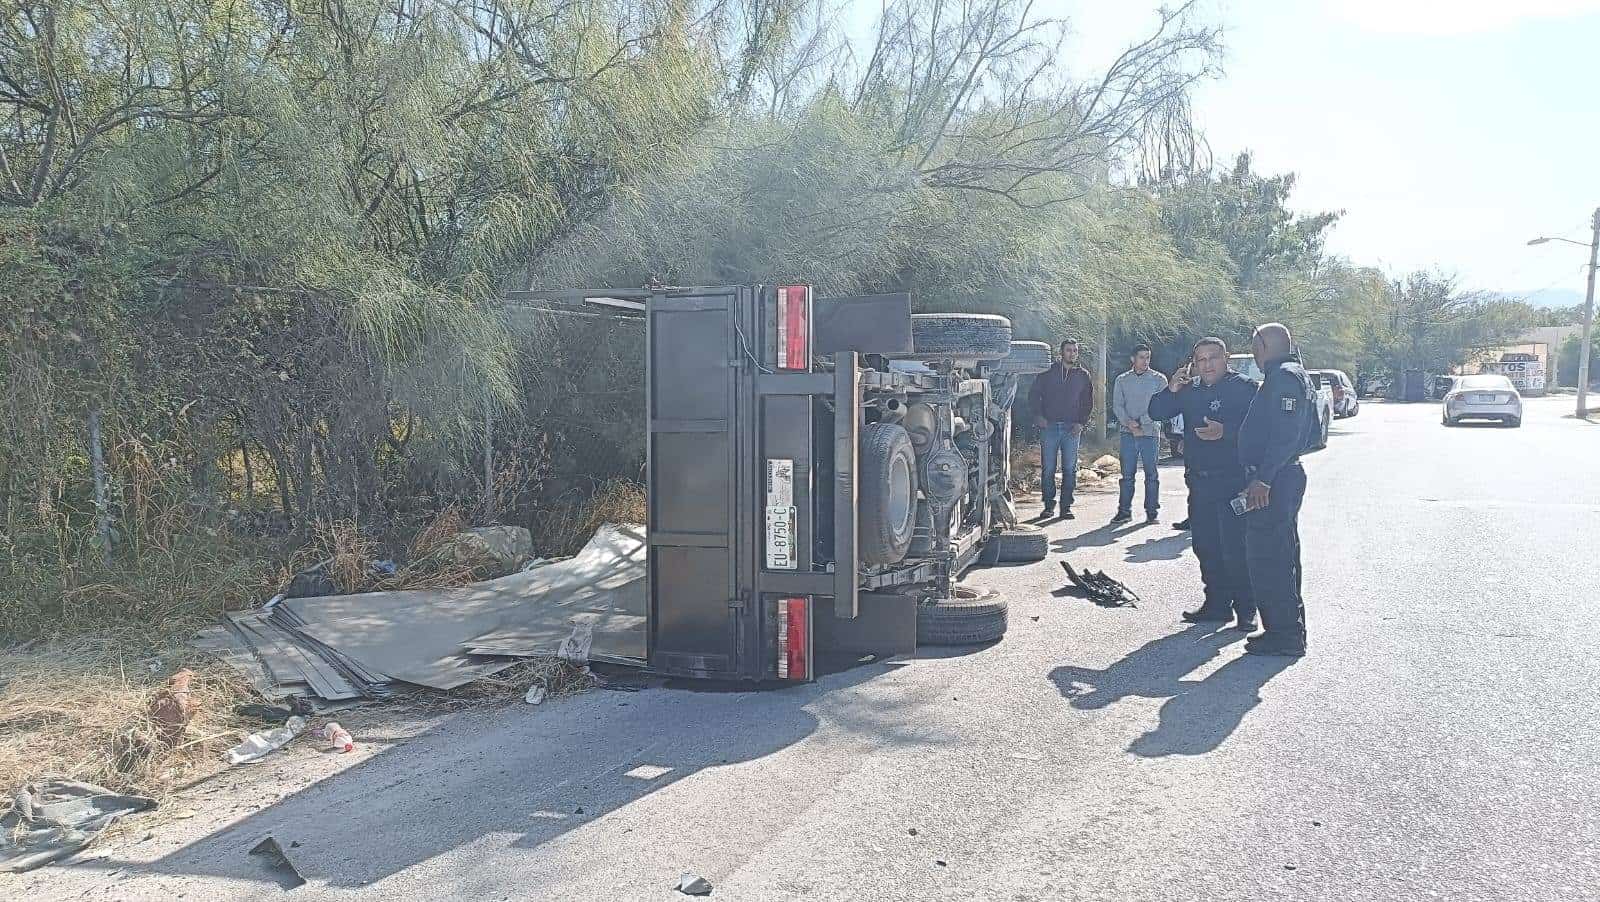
[(536, 694), (346, 648), (49, 821), (259, 745), (1106, 464), (336, 736), (575, 648), (272, 854), (1102, 589), (693, 885)]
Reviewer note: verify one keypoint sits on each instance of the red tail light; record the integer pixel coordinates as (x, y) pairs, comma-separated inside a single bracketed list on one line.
[(794, 327), (794, 645)]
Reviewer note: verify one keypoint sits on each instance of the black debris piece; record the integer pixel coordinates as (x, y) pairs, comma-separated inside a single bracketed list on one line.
[(1102, 589)]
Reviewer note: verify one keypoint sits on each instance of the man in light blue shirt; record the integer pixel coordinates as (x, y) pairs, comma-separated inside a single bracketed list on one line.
[(1141, 438)]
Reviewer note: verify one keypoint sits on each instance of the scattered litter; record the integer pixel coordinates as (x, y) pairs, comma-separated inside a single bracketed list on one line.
[(575, 648), (1290, 867), (1316, 823), (1102, 589), (52, 820), (172, 708), (1105, 464), (384, 568), (336, 736), (260, 745), (693, 885), (536, 694), (940, 862), (282, 868), (913, 831), (1035, 618), (183, 814)]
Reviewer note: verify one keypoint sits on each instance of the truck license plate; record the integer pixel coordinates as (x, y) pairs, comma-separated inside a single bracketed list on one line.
[(780, 515), (780, 538)]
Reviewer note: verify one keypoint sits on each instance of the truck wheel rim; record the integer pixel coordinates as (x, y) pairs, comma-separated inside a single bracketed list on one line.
[(899, 493)]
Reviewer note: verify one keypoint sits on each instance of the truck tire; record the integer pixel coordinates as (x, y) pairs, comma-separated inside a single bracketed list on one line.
[(966, 336), (1016, 548), (888, 493), (1027, 358), (968, 617)]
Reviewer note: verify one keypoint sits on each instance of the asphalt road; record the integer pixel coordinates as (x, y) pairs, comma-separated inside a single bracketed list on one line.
[(1441, 741)]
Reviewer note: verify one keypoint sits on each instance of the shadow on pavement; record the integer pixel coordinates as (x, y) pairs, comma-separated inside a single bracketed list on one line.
[(1168, 548), (511, 771), (1198, 714), (1098, 537)]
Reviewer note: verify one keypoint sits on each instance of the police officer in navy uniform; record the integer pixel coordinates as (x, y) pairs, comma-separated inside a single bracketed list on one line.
[(1213, 407), (1275, 432)]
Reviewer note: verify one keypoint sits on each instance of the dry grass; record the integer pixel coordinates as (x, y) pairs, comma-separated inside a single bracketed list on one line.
[(559, 678), (79, 708), (564, 528)]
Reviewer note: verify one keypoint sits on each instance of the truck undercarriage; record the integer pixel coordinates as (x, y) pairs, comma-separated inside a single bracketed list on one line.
[(820, 472)]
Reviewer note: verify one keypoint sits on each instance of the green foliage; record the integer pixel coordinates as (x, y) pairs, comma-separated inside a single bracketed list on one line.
[(1429, 323)]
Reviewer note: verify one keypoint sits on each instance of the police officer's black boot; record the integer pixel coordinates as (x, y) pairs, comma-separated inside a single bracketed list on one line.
[(1276, 643), (1207, 613)]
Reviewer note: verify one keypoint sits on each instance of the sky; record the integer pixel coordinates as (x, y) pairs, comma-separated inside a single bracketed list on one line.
[(1449, 133)]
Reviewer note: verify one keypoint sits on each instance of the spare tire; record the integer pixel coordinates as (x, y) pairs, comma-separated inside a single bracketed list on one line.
[(1027, 358), (968, 617), (887, 493), (964, 336), (1015, 548)]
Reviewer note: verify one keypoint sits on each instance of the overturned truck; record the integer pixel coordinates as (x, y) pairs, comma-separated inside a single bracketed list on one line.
[(821, 472)]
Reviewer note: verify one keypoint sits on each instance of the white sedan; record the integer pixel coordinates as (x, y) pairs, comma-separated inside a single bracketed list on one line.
[(1483, 398)]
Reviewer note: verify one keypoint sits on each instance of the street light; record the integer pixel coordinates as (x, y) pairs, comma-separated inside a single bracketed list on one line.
[(1588, 311)]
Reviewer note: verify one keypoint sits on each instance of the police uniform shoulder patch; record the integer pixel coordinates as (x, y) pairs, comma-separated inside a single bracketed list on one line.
[(1288, 404)]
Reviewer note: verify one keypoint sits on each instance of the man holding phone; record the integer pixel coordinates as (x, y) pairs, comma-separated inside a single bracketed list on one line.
[(1213, 401)]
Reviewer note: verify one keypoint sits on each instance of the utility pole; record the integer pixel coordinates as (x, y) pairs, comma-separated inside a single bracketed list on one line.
[(1588, 321)]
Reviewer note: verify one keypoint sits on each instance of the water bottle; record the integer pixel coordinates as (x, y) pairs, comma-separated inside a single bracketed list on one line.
[(336, 736)]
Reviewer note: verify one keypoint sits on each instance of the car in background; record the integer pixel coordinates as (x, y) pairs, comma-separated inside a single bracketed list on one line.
[(1245, 365), (1345, 403), (1484, 397), (1441, 386)]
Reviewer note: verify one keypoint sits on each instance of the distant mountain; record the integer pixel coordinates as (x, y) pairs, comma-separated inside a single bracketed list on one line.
[(1554, 298)]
